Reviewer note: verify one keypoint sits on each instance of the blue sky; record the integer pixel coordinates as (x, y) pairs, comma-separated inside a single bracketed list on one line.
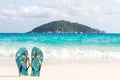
[(24, 15)]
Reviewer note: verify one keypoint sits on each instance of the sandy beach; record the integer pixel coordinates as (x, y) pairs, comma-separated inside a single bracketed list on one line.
[(91, 71)]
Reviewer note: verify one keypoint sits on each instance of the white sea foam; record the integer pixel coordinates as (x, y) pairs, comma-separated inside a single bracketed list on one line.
[(67, 52)]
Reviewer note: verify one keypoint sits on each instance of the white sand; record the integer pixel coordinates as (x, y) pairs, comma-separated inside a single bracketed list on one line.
[(8, 71)]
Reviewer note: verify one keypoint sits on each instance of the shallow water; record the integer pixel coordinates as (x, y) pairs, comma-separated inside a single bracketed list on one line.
[(64, 46)]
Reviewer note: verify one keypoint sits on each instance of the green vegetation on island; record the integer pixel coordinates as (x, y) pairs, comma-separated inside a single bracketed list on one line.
[(64, 27)]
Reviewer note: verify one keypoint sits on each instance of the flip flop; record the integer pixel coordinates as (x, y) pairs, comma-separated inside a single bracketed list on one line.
[(37, 59), (21, 61)]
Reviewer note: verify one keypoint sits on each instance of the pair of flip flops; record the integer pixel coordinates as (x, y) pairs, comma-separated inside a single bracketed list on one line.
[(22, 60)]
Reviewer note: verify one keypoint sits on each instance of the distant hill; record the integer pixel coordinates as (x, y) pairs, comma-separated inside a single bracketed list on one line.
[(64, 27)]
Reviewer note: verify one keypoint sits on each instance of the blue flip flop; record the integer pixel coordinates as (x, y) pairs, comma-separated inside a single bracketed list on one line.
[(21, 61), (37, 59)]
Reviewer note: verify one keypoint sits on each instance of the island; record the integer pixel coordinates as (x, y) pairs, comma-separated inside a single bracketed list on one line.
[(63, 26)]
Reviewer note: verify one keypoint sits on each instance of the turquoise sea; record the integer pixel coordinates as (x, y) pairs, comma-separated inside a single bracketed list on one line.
[(90, 46)]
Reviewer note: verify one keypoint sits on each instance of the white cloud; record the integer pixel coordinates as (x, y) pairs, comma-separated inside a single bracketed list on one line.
[(97, 8), (31, 12), (2, 17), (60, 9), (53, 10), (101, 19), (117, 1), (11, 12), (8, 13), (89, 7), (35, 11), (84, 7)]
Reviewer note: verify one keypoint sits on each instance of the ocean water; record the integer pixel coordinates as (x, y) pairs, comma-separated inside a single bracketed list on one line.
[(63, 46)]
